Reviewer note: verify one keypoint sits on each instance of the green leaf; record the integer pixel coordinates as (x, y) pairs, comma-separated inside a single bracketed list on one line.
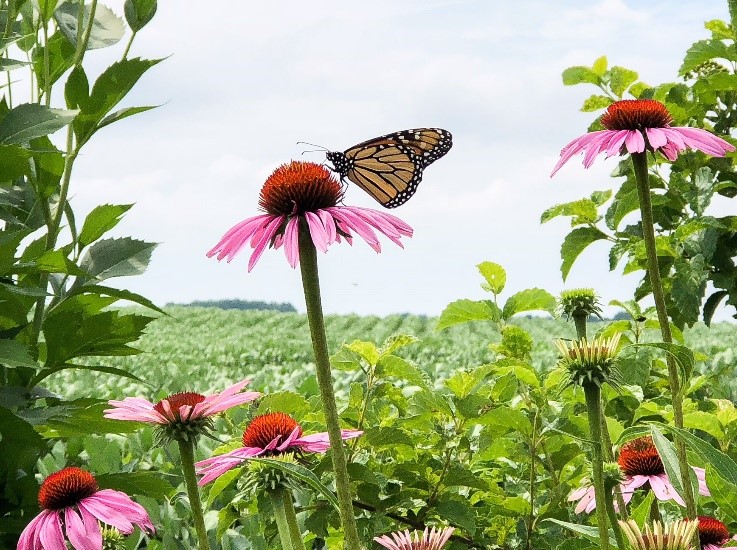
[(367, 350), (531, 299), (77, 88), (221, 483), (123, 113), (15, 354), (724, 494), (304, 475), (719, 29), (139, 12), (464, 311), (711, 305), (620, 80), (396, 342), (153, 484), (107, 28), (667, 454), (580, 75), (13, 163), (387, 437), (595, 102), (115, 258), (681, 354), (600, 66), (391, 366), (504, 420), (60, 54), (641, 513), (101, 220), (576, 242), (495, 276), (583, 211), (457, 511), (722, 463), (688, 287), (30, 120), (45, 8), (109, 89), (703, 51), (591, 533)]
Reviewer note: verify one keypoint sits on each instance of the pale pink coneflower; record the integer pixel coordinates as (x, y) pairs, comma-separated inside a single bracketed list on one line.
[(641, 465), (267, 435), (433, 539), (304, 196), (184, 414), (639, 125), (73, 506), (713, 534)]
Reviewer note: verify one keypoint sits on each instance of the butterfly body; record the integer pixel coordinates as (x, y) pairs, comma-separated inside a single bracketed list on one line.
[(389, 168)]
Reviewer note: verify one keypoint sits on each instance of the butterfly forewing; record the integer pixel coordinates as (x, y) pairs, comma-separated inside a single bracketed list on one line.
[(389, 168)]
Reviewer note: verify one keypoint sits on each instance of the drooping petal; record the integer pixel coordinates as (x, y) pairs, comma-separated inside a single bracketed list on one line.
[(701, 477), (656, 137), (348, 220), (83, 532), (664, 490), (291, 241), (238, 236), (320, 442), (703, 140), (117, 509), (30, 538), (50, 533), (268, 235), (318, 233), (213, 467), (228, 398), (576, 146), (635, 142), (134, 409)]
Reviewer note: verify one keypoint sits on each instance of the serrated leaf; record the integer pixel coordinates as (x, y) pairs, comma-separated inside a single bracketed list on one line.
[(580, 75), (667, 454), (722, 463), (600, 65), (688, 287), (682, 355), (367, 350), (464, 311), (724, 494), (15, 354), (531, 299), (77, 88), (641, 513), (595, 103), (620, 79), (115, 258), (457, 512), (391, 366), (101, 220), (576, 242), (30, 120), (156, 485), (107, 28), (583, 211), (396, 342), (139, 12), (387, 437), (221, 483), (124, 113), (703, 51), (495, 276), (121, 294)]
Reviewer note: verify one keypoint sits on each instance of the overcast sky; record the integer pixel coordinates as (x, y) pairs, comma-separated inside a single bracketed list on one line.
[(245, 81)]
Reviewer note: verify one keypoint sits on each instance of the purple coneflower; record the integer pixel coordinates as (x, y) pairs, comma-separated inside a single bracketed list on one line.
[(641, 465), (638, 125), (72, 505), (187, 412), (306, 191), (713, 534), (266, 435), (426, 540)]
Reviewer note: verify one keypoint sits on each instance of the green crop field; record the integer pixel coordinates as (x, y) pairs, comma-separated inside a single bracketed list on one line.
[(203, 349)]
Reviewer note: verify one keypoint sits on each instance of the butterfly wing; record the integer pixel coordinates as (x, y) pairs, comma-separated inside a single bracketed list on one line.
[(389, 168)]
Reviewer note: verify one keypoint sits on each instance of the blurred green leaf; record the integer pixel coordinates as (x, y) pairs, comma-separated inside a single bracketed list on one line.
[(15, 354), (30, 120), (139, 12), (100, 220), (464, 311), (580, 75), (531, 299)]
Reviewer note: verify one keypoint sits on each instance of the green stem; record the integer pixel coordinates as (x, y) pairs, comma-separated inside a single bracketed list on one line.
[(128, 46), (733, 17), (186, 451), (580, 322), (291, 515), (639, 160), (592, 392), (282, 523), (311, 284)]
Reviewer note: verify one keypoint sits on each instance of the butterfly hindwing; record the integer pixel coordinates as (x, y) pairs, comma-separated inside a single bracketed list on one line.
[(389, 168)]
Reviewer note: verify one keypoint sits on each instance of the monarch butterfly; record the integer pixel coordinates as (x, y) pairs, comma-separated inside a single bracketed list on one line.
[(389, 168)]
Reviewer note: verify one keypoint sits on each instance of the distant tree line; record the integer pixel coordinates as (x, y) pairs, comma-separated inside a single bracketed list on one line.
[(284, 307)]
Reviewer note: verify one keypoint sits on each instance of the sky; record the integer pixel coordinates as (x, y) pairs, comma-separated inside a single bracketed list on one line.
[(243, 82)]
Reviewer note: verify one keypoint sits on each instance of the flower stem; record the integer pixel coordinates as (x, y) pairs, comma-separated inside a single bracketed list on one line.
[(291, 516), (592, 392), (639, 160), (282, 523), (186, 451), (311, 284)]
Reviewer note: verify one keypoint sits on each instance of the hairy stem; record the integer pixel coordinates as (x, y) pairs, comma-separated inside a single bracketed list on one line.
[(639, 160), (186, 451), (282, 523), (592, 393), (311, 284)]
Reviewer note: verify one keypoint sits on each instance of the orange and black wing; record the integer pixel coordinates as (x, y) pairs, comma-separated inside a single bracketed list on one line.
[(389, 168)]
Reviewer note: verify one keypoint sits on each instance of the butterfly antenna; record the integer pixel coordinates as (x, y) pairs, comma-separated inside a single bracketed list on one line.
[(320, 148)]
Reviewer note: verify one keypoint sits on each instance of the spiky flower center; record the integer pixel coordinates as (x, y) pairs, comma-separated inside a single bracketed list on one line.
[(263, 429), (712, 531), (66, 488), (579, 302), (636, 114), (299, 187), (676, 535), (589, 361), (640, 457), (178, 400)]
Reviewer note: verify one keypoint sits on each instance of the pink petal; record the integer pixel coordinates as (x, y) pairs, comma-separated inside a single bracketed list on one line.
[(348, 221), (318, 233), (576, 146), (83, 532), (238, 235), (664, 490), (50, 534), (268, 234), (30, 537), (135, 409), (291, 241), (635, 142), (117, 509), (216, 466), (320, 442), (701, 477), (329, 224)]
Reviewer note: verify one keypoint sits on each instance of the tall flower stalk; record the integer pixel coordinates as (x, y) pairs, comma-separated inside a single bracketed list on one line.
[(637, 127), (311, 285)]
